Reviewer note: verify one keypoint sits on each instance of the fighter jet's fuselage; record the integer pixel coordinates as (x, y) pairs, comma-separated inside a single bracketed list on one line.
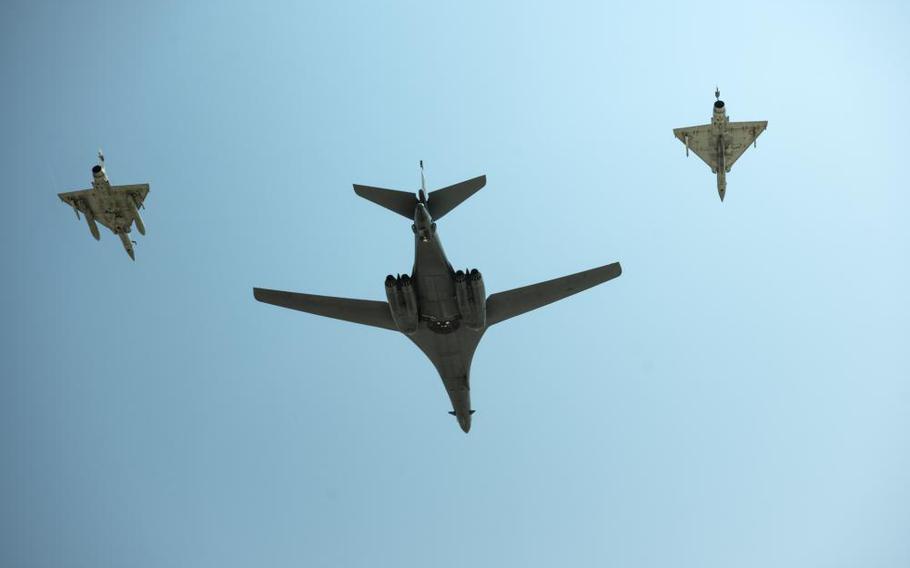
[(116, 207), (719, 122), (111, 208)]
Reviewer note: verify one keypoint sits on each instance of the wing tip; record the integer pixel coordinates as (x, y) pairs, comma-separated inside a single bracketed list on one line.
[(610, 271)]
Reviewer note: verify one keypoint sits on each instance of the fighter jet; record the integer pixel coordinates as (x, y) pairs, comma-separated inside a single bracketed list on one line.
[(114, 206), (720, 143), (443, 311)]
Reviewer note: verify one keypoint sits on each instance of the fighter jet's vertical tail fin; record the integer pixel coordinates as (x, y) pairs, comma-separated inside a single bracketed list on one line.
[(443, 200), (401, 202)]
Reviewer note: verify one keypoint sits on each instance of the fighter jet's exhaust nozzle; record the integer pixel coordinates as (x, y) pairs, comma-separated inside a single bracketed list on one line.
[(720, 113), (98, 173), (471, 298), (402, 302)]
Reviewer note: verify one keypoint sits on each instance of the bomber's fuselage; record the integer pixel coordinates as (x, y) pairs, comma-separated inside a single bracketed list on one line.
[(441, 331), (432, 273)]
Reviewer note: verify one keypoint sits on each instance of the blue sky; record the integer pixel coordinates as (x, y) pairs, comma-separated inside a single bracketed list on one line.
[(739, 397)]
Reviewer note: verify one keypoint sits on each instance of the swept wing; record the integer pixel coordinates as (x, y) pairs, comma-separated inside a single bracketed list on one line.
[(505, 305), (366, 312)]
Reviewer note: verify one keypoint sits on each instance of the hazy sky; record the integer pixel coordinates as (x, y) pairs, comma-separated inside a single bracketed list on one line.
[(739, 397)]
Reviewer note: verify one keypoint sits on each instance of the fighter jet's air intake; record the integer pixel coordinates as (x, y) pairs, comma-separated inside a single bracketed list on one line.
[(402, 302), (471, 298)]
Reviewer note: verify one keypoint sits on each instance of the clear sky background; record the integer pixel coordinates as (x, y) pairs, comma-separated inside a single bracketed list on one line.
[(739, 397)]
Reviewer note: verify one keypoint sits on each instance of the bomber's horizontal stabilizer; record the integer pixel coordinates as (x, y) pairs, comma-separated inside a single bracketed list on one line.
[(443, 200), (401, 202)]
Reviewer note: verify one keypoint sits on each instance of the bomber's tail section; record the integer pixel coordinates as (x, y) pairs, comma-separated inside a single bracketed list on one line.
[(438, 202)]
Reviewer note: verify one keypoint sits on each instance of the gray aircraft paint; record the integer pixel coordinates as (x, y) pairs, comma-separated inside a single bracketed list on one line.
[(443, 331), (114, 206), (720, 143)]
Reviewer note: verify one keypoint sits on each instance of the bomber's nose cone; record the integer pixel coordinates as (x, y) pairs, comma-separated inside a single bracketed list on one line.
[(465, 423)]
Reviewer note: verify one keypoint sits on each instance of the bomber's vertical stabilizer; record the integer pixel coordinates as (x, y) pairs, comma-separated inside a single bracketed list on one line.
[(422, 194)]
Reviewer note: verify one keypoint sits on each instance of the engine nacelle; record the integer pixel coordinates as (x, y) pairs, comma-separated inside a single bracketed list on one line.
[(470, 295), (402, 302)]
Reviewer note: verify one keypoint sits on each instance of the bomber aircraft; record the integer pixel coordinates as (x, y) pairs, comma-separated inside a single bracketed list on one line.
[(443, 311), (114, 206), (720, 143)]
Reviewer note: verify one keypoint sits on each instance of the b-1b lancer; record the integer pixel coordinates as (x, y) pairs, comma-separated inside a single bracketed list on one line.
[(720, 143), (443, 311), (114, 206)]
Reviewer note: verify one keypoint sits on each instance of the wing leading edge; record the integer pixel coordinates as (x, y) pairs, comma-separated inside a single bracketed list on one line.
[(366, 312), (504, 305)]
